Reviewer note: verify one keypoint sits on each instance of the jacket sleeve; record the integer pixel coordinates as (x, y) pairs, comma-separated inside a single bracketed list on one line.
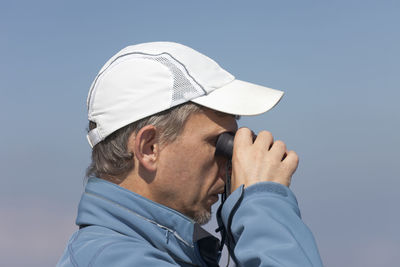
[(264, 228)]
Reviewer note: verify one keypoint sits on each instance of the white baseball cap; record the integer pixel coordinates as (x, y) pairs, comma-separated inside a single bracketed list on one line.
[(145, 79)]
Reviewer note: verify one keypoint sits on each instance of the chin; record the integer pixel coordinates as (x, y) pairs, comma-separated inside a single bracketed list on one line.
[(202, 217)]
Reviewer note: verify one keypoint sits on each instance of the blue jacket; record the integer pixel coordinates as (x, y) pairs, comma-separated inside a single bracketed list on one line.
[(121, 228)]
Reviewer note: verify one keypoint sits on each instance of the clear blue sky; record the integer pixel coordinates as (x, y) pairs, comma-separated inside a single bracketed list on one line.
[(337, 61)]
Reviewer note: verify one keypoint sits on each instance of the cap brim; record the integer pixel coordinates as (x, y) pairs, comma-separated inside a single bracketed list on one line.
[(241, 98)]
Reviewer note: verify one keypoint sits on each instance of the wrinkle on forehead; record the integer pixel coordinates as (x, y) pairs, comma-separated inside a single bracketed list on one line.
[(221, 119), (218, 122)]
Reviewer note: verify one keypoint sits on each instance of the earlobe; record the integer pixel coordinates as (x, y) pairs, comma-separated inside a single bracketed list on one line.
[(146, 147)]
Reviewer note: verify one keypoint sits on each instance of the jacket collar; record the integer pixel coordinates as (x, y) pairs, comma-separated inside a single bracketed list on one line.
[(106, 204)]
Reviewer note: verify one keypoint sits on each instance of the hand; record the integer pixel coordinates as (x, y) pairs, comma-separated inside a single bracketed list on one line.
[(261, 161)]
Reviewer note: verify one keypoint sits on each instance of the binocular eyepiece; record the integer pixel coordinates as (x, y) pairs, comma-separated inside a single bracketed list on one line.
[(224, 146)]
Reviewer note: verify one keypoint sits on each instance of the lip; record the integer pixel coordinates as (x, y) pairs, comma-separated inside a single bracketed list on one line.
[(220, 191), (214, 198)]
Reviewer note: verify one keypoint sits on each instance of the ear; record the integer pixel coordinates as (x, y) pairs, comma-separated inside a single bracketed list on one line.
[(146, 147)]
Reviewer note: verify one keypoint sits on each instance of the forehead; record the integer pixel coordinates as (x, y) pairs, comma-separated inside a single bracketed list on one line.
[(210, 122)]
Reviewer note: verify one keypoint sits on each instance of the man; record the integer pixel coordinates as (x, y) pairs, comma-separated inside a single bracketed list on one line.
[(156, 111)]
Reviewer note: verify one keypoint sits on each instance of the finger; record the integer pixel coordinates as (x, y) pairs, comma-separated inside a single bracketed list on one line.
[(264, 140), (278, 150), (243, 137), (291, 160)]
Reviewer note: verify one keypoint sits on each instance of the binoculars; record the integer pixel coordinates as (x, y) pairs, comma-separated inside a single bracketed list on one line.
[(224, 146)]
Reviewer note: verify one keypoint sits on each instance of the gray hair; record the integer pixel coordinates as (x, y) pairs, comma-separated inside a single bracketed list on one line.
[(111, 159)]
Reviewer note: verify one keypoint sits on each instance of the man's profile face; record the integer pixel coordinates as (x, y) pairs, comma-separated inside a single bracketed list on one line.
[(189, 176)]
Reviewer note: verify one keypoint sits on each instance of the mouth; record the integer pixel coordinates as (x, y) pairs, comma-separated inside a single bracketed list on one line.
[(214, 198), (220, 191)]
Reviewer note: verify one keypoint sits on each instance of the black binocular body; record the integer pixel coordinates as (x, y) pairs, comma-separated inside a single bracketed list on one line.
[(224, 146)]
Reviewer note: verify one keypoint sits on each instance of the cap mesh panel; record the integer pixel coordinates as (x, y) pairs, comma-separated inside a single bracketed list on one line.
[(183, 88)]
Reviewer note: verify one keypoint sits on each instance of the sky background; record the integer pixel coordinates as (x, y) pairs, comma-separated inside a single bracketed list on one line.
[(337, 61)]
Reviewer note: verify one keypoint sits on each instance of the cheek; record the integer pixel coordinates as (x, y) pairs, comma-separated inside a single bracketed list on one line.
[(203, 161), (190, 165)]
